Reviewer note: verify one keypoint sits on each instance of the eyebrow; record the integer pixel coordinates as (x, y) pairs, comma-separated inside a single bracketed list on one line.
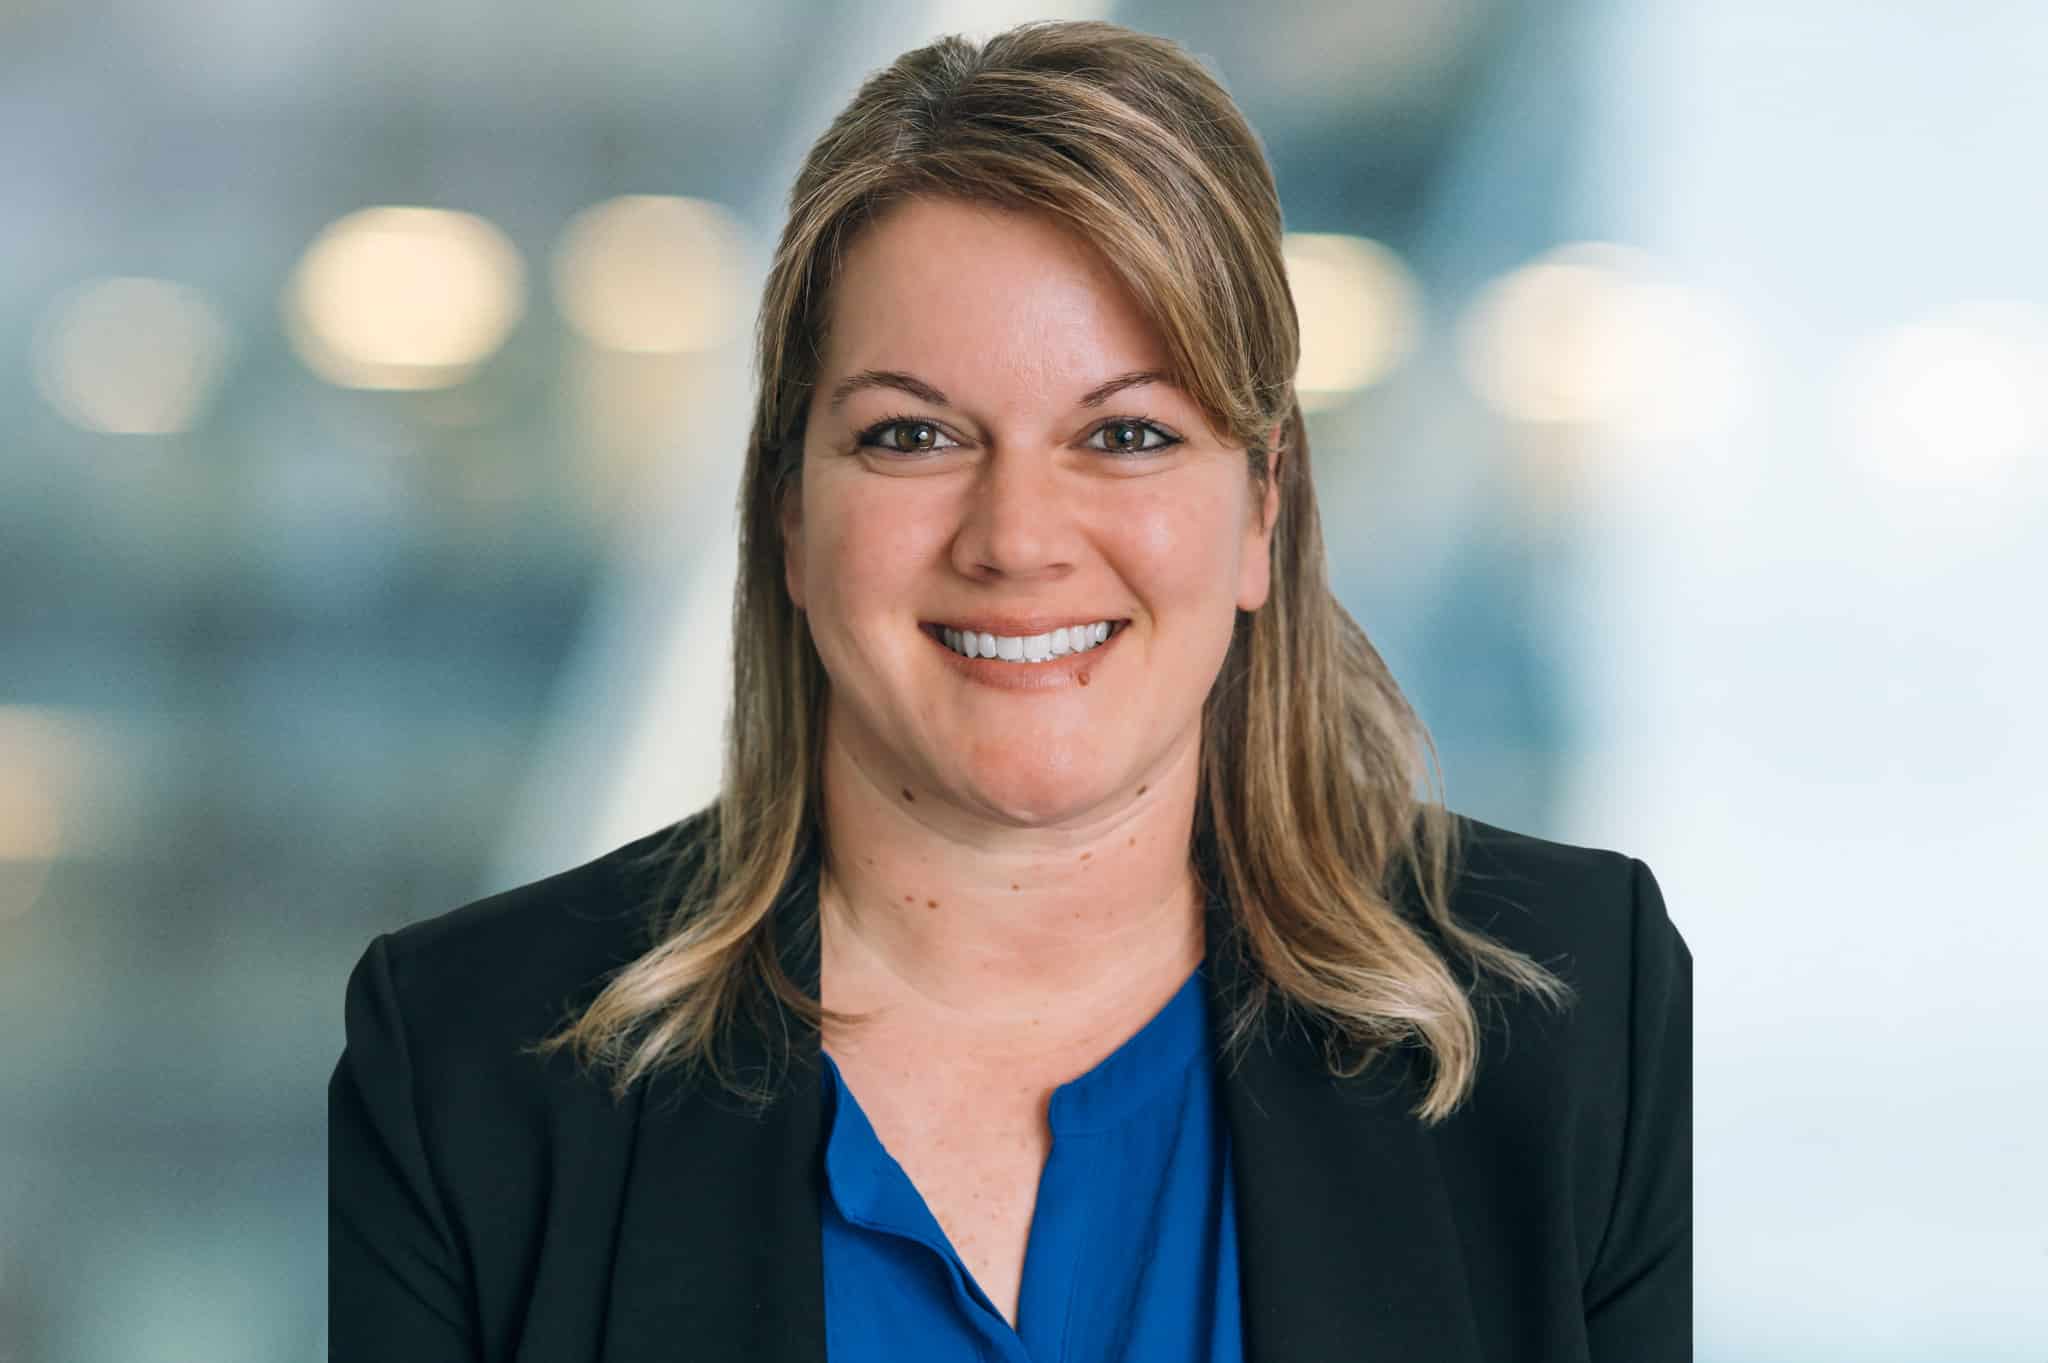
[(924, 392)]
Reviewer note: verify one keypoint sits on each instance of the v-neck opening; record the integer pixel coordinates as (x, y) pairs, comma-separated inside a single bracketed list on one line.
[(873, 1191)]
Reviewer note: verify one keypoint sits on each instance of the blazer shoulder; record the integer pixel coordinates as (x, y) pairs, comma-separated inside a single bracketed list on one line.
[(1603, 1088), (455, 1147), (1542, 897), (1596, 919), (502, 971)]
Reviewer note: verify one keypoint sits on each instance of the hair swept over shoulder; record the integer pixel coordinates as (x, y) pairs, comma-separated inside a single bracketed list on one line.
[(1312, 759)]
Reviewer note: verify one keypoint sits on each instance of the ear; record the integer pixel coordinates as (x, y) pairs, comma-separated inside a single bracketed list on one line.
[(790, 515), (1255, 572)]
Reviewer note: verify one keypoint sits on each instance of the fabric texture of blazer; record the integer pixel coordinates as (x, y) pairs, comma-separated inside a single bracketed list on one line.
[(486, 1204)]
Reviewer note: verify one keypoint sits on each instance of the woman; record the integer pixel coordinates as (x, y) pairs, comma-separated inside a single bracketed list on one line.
[(1067, 969)]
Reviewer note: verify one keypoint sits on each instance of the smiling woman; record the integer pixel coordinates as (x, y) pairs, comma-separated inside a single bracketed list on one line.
[(1069, 966), (1009, 515)]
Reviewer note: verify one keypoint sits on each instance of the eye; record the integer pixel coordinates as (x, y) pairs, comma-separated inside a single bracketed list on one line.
[(905, 435), (1128, 435)]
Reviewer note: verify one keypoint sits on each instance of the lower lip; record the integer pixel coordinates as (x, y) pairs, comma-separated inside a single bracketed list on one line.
[(1073, 670)]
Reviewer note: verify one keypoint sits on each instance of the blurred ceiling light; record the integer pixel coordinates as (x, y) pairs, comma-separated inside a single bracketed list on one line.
[(1956, 398), (1587, 335), (402, 297), (1691, 374), (42, 759), (129, 355), (1358, 308), (652, 274), (30, 829)]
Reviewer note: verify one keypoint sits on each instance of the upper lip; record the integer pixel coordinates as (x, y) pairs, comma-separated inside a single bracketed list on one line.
[(1021, 626)]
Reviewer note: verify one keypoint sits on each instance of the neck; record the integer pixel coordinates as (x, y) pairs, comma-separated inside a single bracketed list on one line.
[(1010, 937)]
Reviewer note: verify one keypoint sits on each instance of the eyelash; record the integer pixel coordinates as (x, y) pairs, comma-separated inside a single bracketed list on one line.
[(869, 438)]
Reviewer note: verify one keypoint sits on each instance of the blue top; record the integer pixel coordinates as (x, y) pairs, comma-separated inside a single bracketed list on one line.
[(1133, 1245)]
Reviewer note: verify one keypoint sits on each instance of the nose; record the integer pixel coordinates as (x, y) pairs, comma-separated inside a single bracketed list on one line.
[(1018, 521)]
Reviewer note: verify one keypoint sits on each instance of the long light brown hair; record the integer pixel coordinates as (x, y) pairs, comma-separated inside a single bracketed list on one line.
[(1309, 811)]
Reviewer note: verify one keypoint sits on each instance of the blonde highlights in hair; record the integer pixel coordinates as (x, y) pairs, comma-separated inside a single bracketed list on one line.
[(1311, 756)]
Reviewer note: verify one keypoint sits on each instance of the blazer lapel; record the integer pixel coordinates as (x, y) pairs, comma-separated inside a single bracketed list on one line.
[(1346, 1245), (719, 1253)]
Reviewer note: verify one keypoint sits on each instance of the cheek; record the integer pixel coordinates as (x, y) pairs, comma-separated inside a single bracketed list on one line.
[(1181, 550), (862, 549)]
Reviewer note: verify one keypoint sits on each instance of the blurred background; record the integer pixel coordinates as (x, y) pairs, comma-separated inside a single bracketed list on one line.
[(372, 388)]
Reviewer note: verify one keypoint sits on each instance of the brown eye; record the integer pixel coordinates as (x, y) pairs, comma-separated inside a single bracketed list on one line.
[(1125, 436), (905, 435)]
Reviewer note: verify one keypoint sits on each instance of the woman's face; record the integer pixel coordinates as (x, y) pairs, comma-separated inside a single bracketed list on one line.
[(984, 453)]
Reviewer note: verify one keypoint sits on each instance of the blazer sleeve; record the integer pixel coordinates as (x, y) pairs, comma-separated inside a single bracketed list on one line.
[(1638, 1295), (396, 1289)]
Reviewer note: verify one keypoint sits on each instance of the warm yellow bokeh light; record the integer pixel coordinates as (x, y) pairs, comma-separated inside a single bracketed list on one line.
[(57, 764), (1549, 341), (652, 274), (130, 355), (403, 297), (42, 756), (1590, 336), (1358, 308)]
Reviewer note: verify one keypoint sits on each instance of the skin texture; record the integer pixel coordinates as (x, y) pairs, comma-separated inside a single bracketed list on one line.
[(1007, 890)]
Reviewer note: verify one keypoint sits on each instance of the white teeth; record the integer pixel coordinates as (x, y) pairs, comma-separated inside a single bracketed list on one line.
[(1036, 648)]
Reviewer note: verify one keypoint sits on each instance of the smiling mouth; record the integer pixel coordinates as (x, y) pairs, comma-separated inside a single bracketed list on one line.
[(1050, 646)]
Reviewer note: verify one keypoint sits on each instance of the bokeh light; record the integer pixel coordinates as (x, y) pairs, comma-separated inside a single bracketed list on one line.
[(1590, 335), (43, 756), (651, 273), (404, 298), (1954, 399), (1358, 306), (130, 355)]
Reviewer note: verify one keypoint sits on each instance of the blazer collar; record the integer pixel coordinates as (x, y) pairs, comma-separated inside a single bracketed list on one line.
[(1346, 1244)]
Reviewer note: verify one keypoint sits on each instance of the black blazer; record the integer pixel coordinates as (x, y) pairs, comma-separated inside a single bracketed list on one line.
[(487, 1205)]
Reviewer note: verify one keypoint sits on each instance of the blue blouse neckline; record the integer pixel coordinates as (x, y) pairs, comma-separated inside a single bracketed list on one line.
[(1148, 1068)]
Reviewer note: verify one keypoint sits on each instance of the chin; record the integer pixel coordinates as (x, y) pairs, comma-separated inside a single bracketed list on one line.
[(1037, 803)]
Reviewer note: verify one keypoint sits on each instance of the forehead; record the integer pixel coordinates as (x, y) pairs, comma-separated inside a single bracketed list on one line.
[(975, 295)]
